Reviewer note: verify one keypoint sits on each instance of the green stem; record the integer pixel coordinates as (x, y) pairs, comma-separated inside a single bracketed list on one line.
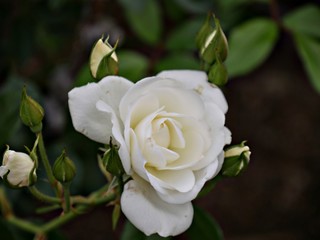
[(48, 209), (46, 164), (55, 223), (43, 197), (23, 224), (66, 193)]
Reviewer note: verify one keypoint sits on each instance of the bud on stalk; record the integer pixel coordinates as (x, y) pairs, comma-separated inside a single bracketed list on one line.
[(64, 169), (31, 113), (215, 44), (236, 159), (103, 60), (18, 169)]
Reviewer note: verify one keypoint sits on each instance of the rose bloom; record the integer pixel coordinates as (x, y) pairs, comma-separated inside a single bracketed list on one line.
[(171, 133), (20, 166)]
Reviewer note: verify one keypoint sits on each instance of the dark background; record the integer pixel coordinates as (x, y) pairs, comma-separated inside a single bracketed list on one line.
[(46, 45)]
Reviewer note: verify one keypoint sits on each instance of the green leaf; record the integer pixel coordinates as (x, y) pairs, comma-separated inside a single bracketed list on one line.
[(204, 227), (177, 61), (304, 20), (309, 51), (132, 65), (130, 232), (144, 18), (183, 37), (250, 44), (195, 6)]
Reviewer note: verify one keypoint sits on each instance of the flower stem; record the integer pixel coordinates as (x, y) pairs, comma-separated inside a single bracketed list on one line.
[(66, 193), (43, 197), (62, 219), (57, 222), (47, 165), (23, 224)]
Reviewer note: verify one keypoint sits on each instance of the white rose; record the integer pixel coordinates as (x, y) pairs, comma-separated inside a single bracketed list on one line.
[(171, 133), (20, 166)]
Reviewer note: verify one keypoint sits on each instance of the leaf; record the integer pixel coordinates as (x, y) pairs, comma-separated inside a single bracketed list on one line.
[(309, 50), (132, 65), (183, 37), (250, 44), (304, 20), (177, 61), (131, 232), (204, 227), (144, 18), (195, 6)]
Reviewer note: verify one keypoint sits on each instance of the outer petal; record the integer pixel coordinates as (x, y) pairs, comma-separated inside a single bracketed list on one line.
[(143, 207), (86, 118), (198, 81), (202, 176)]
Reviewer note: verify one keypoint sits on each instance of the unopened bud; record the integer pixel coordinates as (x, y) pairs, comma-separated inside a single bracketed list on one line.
[(31, 113), (112, 160), (18, 169), (103, 60), (215, 44), (218, 73), (64, 169), (205, 30), (236, 159)]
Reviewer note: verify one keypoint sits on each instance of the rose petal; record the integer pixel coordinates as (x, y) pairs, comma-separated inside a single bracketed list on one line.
[(179, 180), (202, 176), (142, 88), (191, 78), (117, 134), (86, 118), (198, 81), (149, 213)]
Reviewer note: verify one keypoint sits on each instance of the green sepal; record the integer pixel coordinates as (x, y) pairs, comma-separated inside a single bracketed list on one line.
[(217, 46), (112, 161), (204, 31), (115, 215), (64, 169), (107, 66), (236, 164), (218, 73), (31, 112)]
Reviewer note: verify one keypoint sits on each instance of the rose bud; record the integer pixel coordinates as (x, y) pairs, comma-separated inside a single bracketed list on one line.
[(64, 169), (214, 44), (236, 159), (31, 113), (218, 73), (103, 60), (18, 169)]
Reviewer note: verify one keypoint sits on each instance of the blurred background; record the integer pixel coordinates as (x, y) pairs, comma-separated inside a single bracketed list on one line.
[(273, 96)]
